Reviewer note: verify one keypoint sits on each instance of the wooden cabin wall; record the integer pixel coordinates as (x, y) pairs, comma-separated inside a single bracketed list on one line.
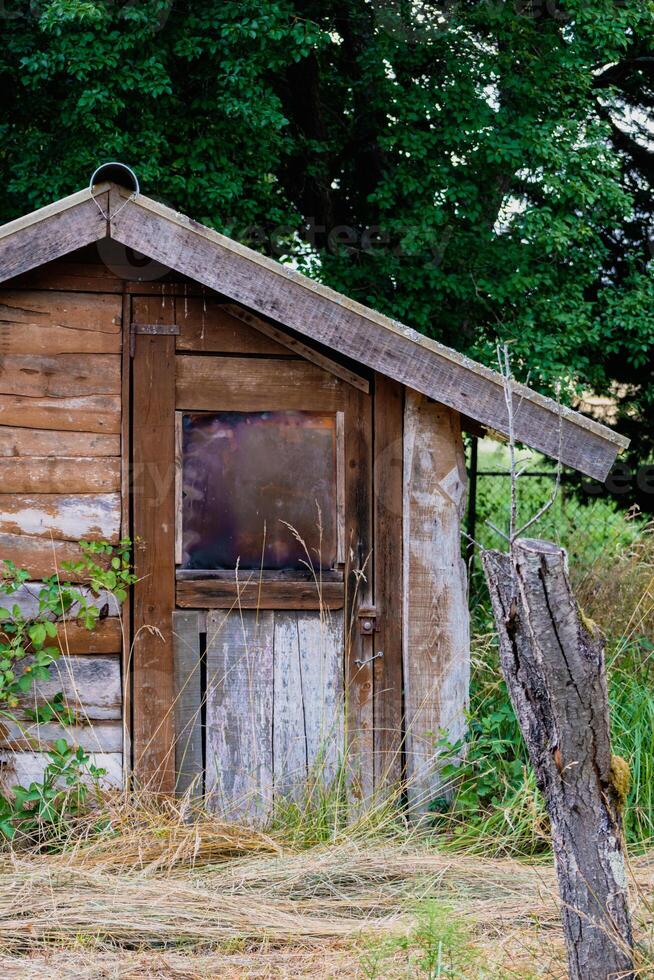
[(436, 642), (61, 348)]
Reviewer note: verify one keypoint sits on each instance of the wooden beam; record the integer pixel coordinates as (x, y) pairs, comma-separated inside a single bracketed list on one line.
[(436, 642), (250, 593), (154, 530), (359, 649), (53, 231), (52, 475), (295, 345), (73, 639), (361, 334), (388, 425), (88, 413), (15, 441), (63, 517)]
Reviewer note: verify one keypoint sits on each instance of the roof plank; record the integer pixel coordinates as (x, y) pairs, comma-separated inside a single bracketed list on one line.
[(365, 336), (288, 298), (51, 232)]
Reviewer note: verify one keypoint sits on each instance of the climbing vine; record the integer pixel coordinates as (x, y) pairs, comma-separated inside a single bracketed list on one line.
[(29, 633)]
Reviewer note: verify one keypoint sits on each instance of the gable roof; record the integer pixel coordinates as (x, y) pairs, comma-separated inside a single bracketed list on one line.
[(284, 295)]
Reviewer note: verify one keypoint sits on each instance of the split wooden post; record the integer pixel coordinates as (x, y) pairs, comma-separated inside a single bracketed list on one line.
[(553, 663)]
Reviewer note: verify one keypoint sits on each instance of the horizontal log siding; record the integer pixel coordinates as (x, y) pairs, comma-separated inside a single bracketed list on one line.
[(60, 481)]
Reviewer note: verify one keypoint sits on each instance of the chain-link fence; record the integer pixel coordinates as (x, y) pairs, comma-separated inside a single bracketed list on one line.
[(583, 518)]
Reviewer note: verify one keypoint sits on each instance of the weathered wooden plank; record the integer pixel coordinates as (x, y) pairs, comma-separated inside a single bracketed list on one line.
[(359, 333), (26, 597), (252, 384), (188, 703), (83, 414), (205, 325), (39, 322), (90, 687), (23, 768), (321, 646), (94, 312), (154, 528), (55, 230), (33, 339), (388, 412), (41, 557), (179, 497), (59, 375), (52, 475), (358, 546), (250, 593), (24, 735), (87, 516), (308, 711), (436, 642), (340, 488), (287, 342), (290, 760), (239, 776), (48, 442), (74, 639)]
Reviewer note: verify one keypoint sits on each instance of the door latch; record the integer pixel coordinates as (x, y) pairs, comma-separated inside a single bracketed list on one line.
[(368, 621)]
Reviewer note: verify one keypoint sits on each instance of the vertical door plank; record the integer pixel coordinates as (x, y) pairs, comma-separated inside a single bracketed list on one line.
[(188, 703), (359, 563), (321, 660), (388, 490), (239, 752), (154, 530), (436, 643), (290, 734)]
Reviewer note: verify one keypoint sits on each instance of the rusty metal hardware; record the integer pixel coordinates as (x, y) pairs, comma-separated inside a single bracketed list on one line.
[(151, 330), (157, 329), (368, 621)]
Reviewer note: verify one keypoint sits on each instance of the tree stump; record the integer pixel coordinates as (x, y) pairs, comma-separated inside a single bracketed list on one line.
[(553, 664)]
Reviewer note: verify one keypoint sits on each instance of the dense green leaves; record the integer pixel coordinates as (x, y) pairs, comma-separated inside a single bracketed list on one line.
[(476, 168)]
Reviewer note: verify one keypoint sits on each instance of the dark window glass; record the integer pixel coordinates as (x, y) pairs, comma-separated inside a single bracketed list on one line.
[(245, 477)]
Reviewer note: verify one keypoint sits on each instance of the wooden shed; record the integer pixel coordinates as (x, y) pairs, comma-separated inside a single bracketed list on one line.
[(290, 466)]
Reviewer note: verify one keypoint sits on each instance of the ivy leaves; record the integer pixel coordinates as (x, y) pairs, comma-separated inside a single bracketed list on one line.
[(28, 648)]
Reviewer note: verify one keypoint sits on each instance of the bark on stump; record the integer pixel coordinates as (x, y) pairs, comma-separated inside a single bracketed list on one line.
[(553, 663)]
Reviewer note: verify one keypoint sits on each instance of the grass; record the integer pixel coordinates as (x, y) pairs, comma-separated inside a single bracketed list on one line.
[(158, 895), (496, 808), (141, 887)]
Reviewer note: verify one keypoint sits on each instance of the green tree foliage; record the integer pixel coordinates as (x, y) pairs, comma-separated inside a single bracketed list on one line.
[(479, 169)]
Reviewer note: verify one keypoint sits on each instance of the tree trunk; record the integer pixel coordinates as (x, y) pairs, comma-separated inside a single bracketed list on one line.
[(553, 663)]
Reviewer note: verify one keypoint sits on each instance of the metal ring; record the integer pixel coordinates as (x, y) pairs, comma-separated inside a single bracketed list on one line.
[(117, 173)]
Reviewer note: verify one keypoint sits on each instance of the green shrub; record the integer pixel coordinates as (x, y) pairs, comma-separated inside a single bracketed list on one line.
[(27, 651)]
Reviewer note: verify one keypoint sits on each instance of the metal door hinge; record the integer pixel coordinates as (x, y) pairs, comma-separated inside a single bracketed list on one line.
[(152, 330), (368, 620)]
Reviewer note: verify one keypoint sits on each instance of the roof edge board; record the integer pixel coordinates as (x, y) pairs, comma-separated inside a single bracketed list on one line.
[(395, 326), (359, 333), (312, 309), (50, 210)]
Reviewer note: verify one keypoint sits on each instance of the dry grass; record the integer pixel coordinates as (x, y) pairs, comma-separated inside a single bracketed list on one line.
[(163, 897)]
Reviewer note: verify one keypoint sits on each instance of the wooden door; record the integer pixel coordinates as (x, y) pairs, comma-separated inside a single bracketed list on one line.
[(246, 613)]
